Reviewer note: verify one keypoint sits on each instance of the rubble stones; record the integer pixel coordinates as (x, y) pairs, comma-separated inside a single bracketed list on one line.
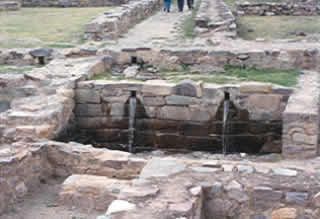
[(284, 213), (90, 192), (276, 9)]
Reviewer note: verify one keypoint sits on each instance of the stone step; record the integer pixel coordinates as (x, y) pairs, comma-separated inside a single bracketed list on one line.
[(90, 192)]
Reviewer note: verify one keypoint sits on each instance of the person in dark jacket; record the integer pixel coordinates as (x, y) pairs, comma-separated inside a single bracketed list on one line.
[(166, 5), (180, 5), (190, 4)]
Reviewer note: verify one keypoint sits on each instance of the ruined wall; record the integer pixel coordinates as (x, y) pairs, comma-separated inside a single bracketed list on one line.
[(21, 168), (117, 21), (71, 3), (185, 115), (9, 6), (276, 9), (215, 15), (301, 119)]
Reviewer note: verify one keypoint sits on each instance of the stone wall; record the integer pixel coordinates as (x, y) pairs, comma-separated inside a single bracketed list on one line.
[(301, 119), (23, 166), (38, 104), (9, 6), (215, 15), (185, 115), (72, 3), (276, 9), (209, 58), (117, 21)]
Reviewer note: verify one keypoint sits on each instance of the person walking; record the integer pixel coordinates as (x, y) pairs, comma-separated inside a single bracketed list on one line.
[(166, 5), (190, 4), (180, 5)]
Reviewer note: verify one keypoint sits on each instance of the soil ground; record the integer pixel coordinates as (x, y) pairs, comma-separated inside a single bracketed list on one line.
[(42, 202)]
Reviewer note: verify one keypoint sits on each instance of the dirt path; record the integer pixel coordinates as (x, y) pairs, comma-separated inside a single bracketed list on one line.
[(159, 30)]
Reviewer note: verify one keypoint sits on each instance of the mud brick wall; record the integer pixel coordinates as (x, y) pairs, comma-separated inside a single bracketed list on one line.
[(185, 115), (276, 9)]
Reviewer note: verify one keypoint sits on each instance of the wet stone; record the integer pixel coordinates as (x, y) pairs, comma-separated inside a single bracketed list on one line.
[(297, 197)]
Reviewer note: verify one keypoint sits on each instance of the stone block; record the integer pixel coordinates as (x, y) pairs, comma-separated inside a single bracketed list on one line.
[(187, 88), (255, 87), (299, 198), (284, 213), (118, 109), (90, 110), (174, 113), (156, 89), (90, 192), (153, 101), (264, 102), (181, 100), (266, 194), (87, 96)]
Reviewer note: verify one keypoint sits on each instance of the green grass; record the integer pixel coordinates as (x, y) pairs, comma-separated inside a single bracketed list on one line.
[(31, 27), (279, 27), (189, 23), (13, 69), (282, 77), (231, 75), (232, 3)]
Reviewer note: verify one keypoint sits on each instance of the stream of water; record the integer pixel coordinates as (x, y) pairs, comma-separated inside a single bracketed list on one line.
[(226, 104), (132, 115)]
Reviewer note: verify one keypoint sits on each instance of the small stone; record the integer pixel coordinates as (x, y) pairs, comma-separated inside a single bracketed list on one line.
[(227, 168), (119, 206), (233, 185), (205, 169), (103, 217), (21, 190), (266, 193), (284, 213), (195, 191), (258, 217), (284, 172), (131, 71), (316, 200), (238, 195), (245, 169), (262, 170), (297, 197)]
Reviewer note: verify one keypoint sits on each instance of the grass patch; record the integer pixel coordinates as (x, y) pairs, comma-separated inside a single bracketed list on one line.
[(189, 23), (282, 77), (57, 45), (279, 27), (31, 27), (231, 74), (232, 3), (13, 69)]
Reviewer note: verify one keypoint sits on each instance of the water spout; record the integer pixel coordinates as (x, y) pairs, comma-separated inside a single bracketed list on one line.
[(226, 105), (132, 115)]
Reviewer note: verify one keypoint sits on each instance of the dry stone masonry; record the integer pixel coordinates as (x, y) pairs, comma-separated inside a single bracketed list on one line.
[(185, 115), (214, 15), (276, 9), (301, 119), (9, 6), (117, 21), (72, 3)]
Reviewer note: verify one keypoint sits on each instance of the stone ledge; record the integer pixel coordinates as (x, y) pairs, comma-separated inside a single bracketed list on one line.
[(301, 119), (117, 21), (276, 9)]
